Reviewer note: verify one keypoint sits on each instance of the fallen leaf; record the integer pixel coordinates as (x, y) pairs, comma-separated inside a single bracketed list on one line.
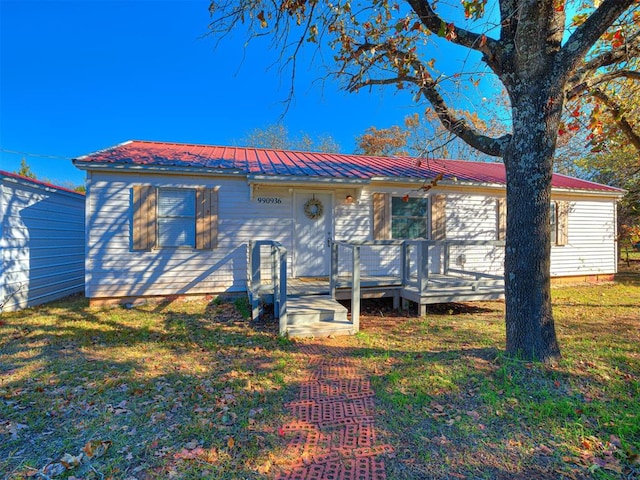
[(53, 469), (210, 456), (615, 441), (264, 468), (544, 450), (191, 445), (473, 414), (96, 448), (231, 442), (14, 428), (71, 461)]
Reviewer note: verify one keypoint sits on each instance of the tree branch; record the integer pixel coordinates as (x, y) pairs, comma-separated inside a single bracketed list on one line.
[(618, 116), (479, 42), (429, 89), (587, 34), (606, 59), (575, 90)]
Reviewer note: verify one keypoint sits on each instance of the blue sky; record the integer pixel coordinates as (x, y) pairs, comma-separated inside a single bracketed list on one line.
[(80, 76)]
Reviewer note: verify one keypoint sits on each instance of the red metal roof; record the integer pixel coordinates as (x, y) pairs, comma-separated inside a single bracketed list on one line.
[(257, 161), (22, 178)]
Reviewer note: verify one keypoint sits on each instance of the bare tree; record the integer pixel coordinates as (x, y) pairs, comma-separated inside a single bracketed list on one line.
[(277, 136)]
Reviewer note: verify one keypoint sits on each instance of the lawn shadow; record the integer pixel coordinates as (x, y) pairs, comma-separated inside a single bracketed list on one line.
[(628, 278), (454, 405), (448, 399), (150, 382)]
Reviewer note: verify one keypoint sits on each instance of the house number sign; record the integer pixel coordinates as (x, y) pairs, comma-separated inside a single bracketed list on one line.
[(269, 200)]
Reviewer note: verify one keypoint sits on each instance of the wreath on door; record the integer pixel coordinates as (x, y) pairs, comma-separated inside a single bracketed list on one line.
[(313, 208)]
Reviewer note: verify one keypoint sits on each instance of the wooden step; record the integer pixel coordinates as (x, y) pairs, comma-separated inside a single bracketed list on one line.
[(316, 316), (309, 309)]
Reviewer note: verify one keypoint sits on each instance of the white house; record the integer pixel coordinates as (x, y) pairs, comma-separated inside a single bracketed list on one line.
[(42, 242), (173, 219)]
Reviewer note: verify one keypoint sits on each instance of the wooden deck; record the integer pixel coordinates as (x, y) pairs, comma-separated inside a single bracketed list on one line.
[(440, 289), (309, 306)]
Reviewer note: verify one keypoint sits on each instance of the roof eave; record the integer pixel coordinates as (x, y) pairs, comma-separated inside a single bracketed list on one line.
[(616, 193), (166, 169), (292, 180), (446, 182), (44, 186)]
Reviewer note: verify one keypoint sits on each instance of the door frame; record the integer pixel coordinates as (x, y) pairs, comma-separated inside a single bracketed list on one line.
[(297, 193)]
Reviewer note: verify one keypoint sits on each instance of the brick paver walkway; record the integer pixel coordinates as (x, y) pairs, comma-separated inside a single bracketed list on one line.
[(333, 435)]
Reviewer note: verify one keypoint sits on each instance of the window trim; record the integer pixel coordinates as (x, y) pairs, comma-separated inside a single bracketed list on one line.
[(426, 218), (435, 217), (561, 227), (192, 218), (144, 218)]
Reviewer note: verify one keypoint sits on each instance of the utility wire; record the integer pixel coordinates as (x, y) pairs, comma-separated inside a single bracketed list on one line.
[(27, 154)]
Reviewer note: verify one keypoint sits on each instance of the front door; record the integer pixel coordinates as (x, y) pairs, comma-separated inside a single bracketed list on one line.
[(313, 229)]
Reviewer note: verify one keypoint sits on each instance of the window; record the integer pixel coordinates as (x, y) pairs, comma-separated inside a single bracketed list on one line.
[(409, 218), (176, 217), (501, 218), (559, 220), (553, 219)]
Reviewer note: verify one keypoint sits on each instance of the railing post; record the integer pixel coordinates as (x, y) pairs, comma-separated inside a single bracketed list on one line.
[(445, 261), (275, 279), (423, 266), (274, 271), (254, 279), (355, 290), (333, 279), (282, 258), (255, 265), (404, 264), (249, 265)]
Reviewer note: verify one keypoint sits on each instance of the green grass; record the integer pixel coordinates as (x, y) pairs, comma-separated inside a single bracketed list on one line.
[(193, 390), (160, 382), (450, 395)]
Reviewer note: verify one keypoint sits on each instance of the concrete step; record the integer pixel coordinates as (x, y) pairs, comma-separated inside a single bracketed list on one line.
[(314, 309)]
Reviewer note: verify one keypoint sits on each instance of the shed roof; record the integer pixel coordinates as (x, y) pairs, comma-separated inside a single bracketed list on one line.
[(308, 165), (37, 183)]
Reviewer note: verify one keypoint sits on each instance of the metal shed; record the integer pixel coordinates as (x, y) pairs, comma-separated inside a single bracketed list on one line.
[(42, 246)]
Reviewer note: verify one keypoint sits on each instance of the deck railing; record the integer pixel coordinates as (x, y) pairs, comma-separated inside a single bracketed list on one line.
[(417, 261), (404, 264), (277, 261)]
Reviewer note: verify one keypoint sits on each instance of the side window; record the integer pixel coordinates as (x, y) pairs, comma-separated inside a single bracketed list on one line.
[(553, 219), (176, 217), (559, 219), (409, 218)]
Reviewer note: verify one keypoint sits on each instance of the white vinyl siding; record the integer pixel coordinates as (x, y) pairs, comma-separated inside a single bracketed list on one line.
[(591, 240), (115, 270), (474, 217), (42, 243)]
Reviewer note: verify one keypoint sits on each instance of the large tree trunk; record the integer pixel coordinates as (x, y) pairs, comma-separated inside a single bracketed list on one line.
[(529, 166)]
